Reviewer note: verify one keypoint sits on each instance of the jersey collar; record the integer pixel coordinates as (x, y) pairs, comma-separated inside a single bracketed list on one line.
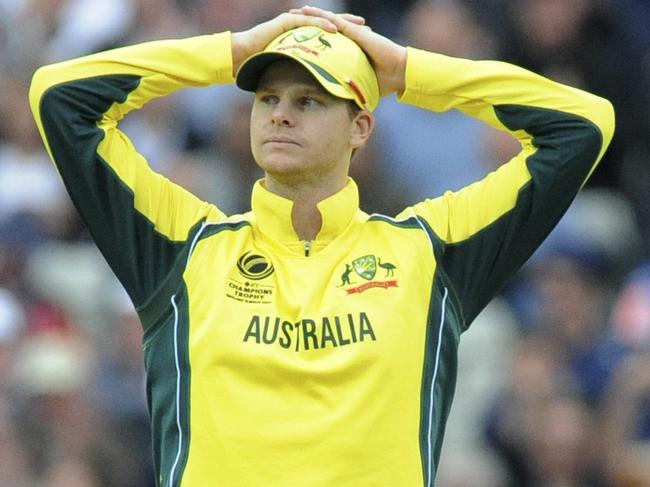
[(273, 213)]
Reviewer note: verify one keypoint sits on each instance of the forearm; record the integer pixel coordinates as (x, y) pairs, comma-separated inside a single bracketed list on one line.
[(160, 67), (478, 88), (491, 227), (138, 218)]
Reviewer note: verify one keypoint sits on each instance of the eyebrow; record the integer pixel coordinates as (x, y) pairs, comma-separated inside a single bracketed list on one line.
[(307, 88)]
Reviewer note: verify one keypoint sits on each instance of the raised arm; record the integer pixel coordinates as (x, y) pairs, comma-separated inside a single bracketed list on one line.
[(487, 230), (140, 221)]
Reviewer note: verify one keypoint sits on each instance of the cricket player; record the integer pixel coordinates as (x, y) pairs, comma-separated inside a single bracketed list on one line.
[(306, 342)]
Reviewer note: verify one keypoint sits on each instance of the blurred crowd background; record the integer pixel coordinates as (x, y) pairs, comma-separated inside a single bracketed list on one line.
[(554, 386)]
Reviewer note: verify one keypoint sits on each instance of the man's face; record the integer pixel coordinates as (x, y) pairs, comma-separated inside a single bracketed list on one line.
[(297, 128)]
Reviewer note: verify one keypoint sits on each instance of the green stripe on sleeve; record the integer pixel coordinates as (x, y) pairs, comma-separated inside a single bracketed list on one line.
[(567, 149), (140, 256)]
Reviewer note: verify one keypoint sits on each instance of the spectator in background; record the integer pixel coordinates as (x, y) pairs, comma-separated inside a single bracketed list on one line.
[(562, 447), (15, 468), (543, 431), (572, 302), (535, 377), (627, 423), (627, 412), (50, 376), (32, 198), (631, 314)]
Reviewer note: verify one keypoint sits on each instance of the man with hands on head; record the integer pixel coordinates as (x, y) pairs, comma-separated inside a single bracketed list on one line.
[(306, 342)]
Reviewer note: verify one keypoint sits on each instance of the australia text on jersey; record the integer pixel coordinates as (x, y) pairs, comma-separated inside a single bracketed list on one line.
[(310, 334)]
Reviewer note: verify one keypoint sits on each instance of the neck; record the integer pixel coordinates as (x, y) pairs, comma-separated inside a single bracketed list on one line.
[(305, 216)]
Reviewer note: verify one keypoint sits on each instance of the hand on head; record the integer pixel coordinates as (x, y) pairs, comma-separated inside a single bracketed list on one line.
[(387, 57), (255, 39)]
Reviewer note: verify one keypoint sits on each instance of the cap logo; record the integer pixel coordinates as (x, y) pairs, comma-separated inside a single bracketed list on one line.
[(323, 43), (303, 35)]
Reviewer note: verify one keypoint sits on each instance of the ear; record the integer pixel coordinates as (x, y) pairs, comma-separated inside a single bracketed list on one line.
[(362, 126)]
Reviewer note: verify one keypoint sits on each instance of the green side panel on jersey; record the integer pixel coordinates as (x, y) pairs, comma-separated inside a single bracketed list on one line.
[(168, 391), (444, 324), (441, 360), (150, 311), (568, 147), (70, 112)]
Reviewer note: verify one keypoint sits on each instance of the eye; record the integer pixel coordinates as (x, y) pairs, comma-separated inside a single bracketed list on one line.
[(268, 99), (309, 102)]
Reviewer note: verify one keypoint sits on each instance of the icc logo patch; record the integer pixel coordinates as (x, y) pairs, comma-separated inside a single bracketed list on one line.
[(367, 267), (252, 267)]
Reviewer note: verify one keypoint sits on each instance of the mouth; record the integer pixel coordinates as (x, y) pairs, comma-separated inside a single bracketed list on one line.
[(281, 141)]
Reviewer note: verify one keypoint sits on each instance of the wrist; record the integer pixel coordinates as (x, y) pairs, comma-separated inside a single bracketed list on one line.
[(239, 49), (394, 79), (400, 71)]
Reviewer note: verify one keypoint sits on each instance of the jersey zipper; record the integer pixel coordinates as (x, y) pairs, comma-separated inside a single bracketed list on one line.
[(307, 247)]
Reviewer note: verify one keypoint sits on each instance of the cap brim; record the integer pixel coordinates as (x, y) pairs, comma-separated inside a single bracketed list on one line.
[(249, 73)]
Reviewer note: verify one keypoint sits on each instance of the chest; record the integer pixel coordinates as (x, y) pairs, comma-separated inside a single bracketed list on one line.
[(249, 305)]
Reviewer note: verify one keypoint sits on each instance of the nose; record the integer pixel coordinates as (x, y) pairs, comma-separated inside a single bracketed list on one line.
[(281, 115)]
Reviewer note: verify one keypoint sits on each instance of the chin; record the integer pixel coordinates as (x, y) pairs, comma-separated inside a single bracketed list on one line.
[(281, 164)]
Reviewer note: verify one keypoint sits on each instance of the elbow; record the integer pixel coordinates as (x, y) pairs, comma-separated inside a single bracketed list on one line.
[(38, 87), (43, 79), (604, 118)]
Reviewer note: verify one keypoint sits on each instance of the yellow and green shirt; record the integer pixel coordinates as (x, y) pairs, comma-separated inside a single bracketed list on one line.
[(276, 362)]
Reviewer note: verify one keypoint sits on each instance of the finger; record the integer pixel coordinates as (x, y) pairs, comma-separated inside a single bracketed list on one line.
[(316, 12), (355, 19), (341, 21), (292, 19)]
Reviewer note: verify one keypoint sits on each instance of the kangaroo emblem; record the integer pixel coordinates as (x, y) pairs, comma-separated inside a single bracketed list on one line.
[(345, 277)]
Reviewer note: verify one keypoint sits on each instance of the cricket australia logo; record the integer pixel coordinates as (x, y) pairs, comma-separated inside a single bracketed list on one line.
[(303, 36), (366, 267), (306, 33)]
